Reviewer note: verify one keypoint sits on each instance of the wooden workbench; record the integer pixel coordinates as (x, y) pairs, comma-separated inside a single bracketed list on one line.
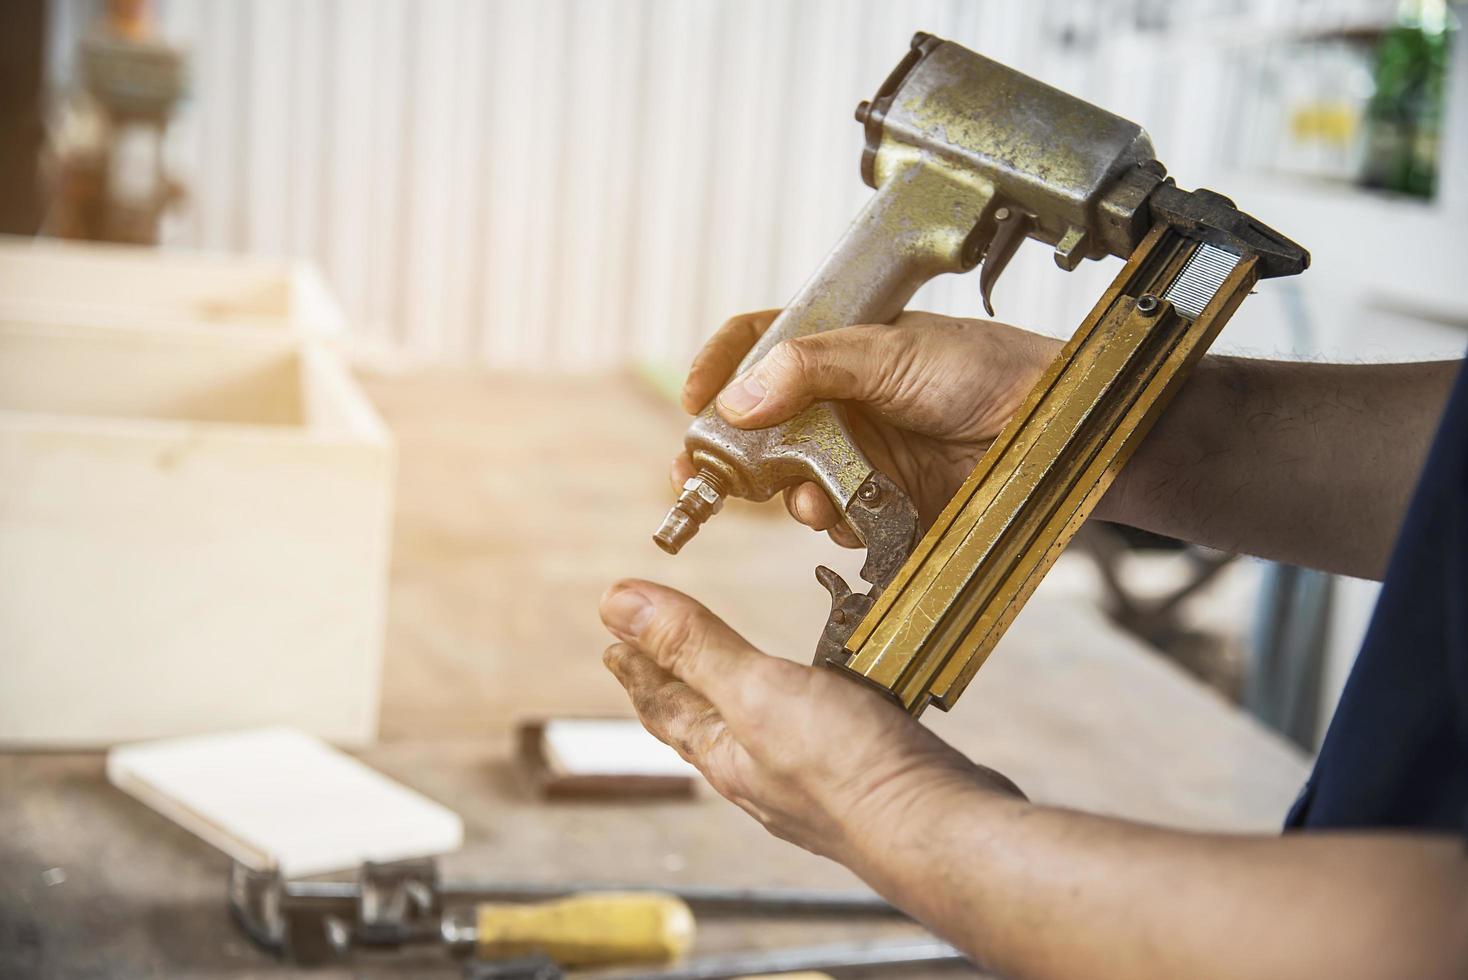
[(519, 500)]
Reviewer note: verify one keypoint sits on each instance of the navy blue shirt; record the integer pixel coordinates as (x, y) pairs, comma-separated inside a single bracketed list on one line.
[(1396, 753)]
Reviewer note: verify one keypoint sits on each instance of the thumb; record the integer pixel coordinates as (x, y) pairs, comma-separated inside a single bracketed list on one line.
[(688, 641), (848, 364)]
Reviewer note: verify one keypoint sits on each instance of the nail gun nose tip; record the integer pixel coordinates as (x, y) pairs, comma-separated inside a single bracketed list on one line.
[(676, 530)]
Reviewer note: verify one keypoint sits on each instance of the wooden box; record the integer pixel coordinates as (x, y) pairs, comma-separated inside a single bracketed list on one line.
[(50, 281), (194, 536)]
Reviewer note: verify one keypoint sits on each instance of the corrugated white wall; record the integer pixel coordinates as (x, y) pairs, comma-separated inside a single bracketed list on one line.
[(577, 183)]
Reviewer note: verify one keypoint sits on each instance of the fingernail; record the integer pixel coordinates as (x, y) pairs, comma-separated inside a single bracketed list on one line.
[(626, 613), (743, 396)]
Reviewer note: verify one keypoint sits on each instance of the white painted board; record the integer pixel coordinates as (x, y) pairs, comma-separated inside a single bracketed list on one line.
[(279, 798), (608, 747)]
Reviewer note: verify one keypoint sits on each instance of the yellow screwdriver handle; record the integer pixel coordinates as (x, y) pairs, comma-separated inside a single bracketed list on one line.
[(603, 929)]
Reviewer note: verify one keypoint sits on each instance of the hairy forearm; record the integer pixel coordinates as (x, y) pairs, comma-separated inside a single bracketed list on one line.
[(1311, 464), (1036, 892)]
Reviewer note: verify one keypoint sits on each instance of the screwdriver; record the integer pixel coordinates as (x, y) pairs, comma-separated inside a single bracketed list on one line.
[(603, 929)]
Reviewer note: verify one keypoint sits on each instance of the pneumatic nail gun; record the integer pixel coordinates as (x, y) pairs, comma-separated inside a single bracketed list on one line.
[(969, 158)]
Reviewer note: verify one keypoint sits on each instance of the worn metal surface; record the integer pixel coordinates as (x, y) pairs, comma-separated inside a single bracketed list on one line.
[(969, 159), (1044, 152)]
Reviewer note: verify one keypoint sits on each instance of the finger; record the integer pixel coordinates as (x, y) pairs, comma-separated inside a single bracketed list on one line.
[(681, 470), (809, 505), (721, 355), (695, 646), (851, 363), (668, 708)]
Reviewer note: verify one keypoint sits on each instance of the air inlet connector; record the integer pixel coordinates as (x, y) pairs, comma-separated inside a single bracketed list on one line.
[(701, 499)]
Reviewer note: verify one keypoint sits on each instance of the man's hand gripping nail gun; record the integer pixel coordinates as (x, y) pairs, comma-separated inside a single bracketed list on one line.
[(968, 159)]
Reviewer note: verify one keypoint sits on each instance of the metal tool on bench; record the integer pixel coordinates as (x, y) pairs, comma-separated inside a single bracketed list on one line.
[(405, 903), (968, 159), (866, 958), (402, 904)]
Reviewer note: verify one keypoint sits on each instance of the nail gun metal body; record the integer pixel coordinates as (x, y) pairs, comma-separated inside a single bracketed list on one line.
[(969, 158)]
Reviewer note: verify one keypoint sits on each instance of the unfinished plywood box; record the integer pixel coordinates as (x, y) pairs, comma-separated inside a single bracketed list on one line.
[(194, 533), (49, 281)]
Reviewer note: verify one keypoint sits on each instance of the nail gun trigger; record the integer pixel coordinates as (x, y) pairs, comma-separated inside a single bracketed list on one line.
[(1011, 226), (834, 584), (847, 609), (884, 517)]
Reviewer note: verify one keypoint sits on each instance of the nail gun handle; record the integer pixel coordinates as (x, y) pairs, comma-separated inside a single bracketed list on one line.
[(916, 226), (911, 230), (608, 929)]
